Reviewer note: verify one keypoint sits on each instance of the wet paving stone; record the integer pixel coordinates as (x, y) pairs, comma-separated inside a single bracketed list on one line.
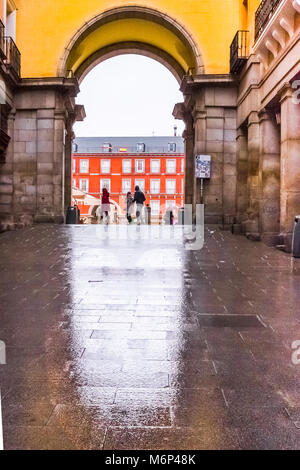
[(122, 344)]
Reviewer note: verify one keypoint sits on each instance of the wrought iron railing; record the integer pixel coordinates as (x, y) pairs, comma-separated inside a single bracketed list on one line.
[(263, 14), (13, 55), (239, 51), (2, 42)]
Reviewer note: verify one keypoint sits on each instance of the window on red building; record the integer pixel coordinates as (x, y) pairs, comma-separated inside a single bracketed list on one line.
[(155, 166), (140, 166), (170, 205), (171, 166), (140, 184), (126, 186), (155, 186), (105, 183), (84, 166), (105, 166), (170, 186), (84, 185), (182, 165), (155, 207), (126, 164)]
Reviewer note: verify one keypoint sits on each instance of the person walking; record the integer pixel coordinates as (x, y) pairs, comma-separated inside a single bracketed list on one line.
[(105, 205), (129, 207), (139, 199)]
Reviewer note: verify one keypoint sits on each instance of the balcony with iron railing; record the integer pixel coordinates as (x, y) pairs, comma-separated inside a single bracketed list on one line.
[(263, 14), (2, 41), (13, 56), (239, 51)]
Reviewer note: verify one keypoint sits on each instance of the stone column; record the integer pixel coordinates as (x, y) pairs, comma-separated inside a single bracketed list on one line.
[(199, 116), (43, 108), (68, 162), (269, 177), (7, 181), (250, 225), (242, 175), (189, 159), (229, 168), (290, 163)]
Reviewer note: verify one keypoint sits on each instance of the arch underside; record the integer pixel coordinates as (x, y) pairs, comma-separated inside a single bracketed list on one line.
[(132, 47), (131, 30)]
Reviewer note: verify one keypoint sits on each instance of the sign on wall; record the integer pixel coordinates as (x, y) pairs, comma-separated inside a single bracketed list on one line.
[(203, 166)]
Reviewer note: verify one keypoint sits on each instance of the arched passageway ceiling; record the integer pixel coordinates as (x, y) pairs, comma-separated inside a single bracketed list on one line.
[(135, 30)]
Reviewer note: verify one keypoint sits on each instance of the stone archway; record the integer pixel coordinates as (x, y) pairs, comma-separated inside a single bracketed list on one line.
[(184, 50), (45, 109)]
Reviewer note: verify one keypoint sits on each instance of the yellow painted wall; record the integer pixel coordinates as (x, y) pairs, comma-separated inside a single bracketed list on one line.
[(45, 27), (2, 10)]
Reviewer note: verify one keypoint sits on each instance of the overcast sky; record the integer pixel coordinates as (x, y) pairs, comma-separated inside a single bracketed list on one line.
[(129, 95)]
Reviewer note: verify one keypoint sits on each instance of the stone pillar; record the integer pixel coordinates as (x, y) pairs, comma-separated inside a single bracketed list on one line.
[(68, 163), (229, 168), (242, 175), (43, 108), (199, 116), (250, 224), (269, 176), (290, 163), (7, 181), (189, 159)]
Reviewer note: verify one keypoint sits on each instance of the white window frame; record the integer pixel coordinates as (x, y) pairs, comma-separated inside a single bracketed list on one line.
[(139, 184), (106, 147), (74, 165), (182, 186), (170, 204), (182, 165), (102, 184), (103, 170), (84, 171), (86, 190), (168, 191), (140, 145), (136, 165), (155, 160), (151, 188), (172, 147), (124, 161), (74, 183), (173, 160), (127, 189), (156, 203)]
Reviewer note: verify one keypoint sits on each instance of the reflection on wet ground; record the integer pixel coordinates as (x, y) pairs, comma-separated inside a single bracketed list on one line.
[(108, 346)]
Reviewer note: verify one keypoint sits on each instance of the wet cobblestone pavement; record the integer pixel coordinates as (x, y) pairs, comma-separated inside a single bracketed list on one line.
[(140, 344)]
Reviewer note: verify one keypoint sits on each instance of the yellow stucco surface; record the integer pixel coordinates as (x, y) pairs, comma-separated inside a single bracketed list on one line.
[(45, 28)]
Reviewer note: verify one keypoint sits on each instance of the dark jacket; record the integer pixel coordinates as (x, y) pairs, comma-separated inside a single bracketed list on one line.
[(139, 197)]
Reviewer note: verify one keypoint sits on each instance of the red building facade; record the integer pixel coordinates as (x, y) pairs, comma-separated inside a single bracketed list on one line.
[(155, 164)]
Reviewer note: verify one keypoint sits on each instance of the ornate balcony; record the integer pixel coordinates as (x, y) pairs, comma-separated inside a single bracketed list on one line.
[(239, 51), (263, 14), (2, 42), (13, 56), (277, 24)]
